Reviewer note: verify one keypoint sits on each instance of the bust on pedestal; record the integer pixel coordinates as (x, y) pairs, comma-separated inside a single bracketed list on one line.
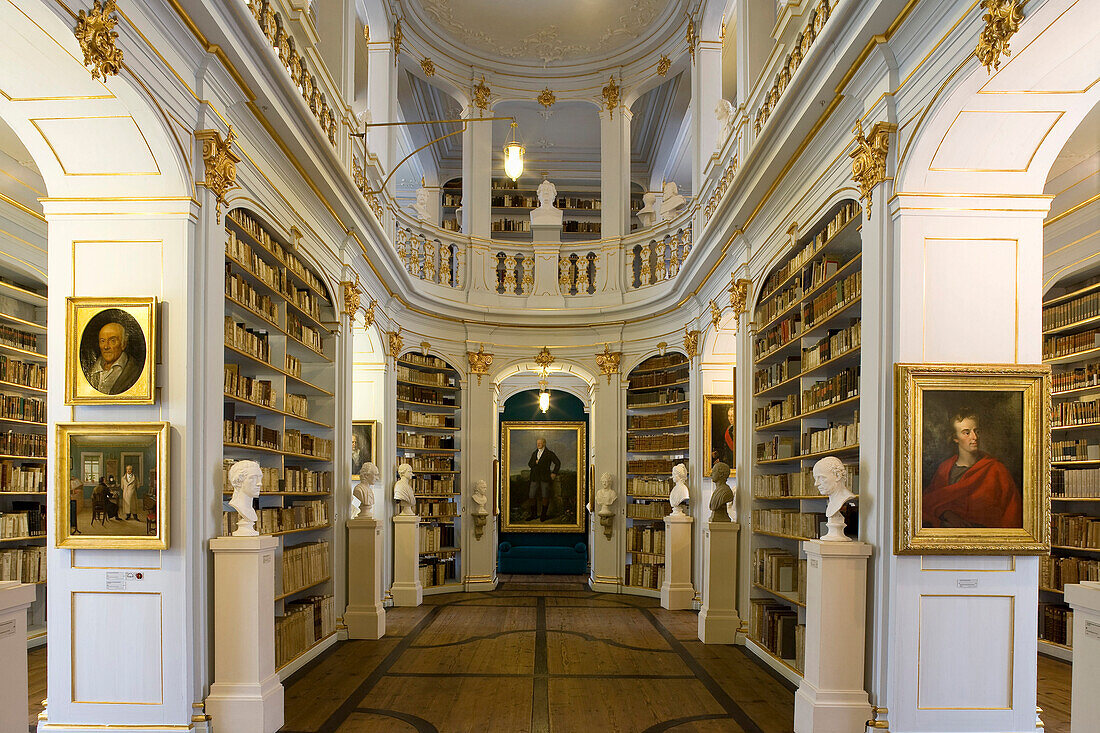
[(480, 498), (677, 592), (365, 616), (724, 114), (831, 480), (605, 497), (678, 498), (546, 219), (245, 478), (407, 589), (671, 201), (362, 496), (647, 215), (724, 496)]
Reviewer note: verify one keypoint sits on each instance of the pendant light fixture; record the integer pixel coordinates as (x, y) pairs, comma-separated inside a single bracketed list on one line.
[(544, 395), (513, 157)]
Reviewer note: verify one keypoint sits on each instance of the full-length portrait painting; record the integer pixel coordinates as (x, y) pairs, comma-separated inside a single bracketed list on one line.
[(973, 458), (362, 445), (720, 425), (110, 344), (543, 472)]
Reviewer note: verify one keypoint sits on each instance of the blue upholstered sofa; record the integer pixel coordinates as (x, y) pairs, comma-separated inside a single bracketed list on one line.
[(547, 559)]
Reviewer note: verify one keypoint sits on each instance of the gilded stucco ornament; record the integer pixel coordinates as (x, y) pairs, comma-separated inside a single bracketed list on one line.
[(611, 95), (546, 98), (219, 162), (692, 38), (352, 297), (427, 66), (368, 314), (691, 343), (609, 361), (663, 65), (96, 34), (482, 94), (544, 359), (398, 39), (739, 294), (479, 362), (395, 342), (1002, 20), (869, 158), (715, 314)]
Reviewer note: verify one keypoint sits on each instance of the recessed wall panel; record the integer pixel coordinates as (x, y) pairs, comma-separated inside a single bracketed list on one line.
[(117, 646), (965, 653)]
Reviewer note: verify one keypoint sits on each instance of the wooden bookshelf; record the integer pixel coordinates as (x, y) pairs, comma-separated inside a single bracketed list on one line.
[(279, 410), (429, 404), (23, 412), (806, 379)]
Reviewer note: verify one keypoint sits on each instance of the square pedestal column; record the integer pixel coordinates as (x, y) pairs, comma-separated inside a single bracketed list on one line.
[(677, 592), (246, 695), (831, 698), (365, 617), (718, 618), (406, 589), (1084, 599), (15, 599)]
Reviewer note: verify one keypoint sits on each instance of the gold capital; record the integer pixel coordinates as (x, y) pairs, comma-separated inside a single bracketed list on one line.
[(869, 158), (220, 162), (608, 361), (479, 362)]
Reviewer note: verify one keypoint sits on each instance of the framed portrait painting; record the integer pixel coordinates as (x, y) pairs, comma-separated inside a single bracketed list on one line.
[(363, 433), (97, 507), (543, 475), (110, 346), (973, 459), (719, 431)]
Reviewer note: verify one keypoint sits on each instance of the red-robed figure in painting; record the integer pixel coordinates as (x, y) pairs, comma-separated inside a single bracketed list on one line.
[(971, 488)]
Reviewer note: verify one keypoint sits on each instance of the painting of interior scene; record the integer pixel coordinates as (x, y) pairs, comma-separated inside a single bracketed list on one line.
[(112, 485)]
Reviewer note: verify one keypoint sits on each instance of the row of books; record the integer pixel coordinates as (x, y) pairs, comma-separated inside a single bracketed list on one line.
[(1075, 530), (269, 483), (420, 440), (306, 301), (295, 441), (780, 571), (28, 374), (296, 404), (434, 537), (775, 627), (1056, 572), (249, 389), (1056, 623), (244, 431), (776, 448), (305, 565), (650, 465), (31, 445), (252, 227), (837, 343), (656, 379), (1075, 413), (438, 572), (303, 624), (668, 361), (834, 225), (29, 522), (833, 298), (424, 360), (782, 485), (776, 411), (18, 407), (1079, 449), (425, 395), (25, 564), (675, 418), (772, 374), (1056, 346), (437, 509), (823, 269), (309, 336), (425, 419), (293, 366), (237, 288), (649, 488), (791, 522), (239, 250), (649, 540), (16, 476), (303, 515), (644, 575), (1080, 377), (652, 510), (657, 397), (1080, 483), (428, 463), (584, 227), (445, 485), (429, 379), (777, 336), (1072, 311), (18, 338), (294, 479), (834, 437), (785, 298), (842, 386), (510, 225), (660, 441), (251, 341)]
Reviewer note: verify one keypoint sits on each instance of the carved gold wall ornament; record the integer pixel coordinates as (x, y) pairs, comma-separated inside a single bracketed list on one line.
[(368, 314), (739, 294), (691, 343), (352, 296), (869, 158), (544, 359), (691, 38), (663, 65), (611, 95), (479, 362), (1002, 20), (395, 342), (398, 38), (482, 94), (220, 162), (715, 314), (609, 361), (427, 66), (546, 98), (96, 34)]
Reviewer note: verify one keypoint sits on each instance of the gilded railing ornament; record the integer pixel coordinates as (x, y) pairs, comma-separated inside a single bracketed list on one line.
[(609, 361), (95, 31), (398, 39), (479, 362), (869, 158), (427, 66), (546, 98), (611, 96), (395, 342), (1002, 20), (663, 65), (691, 343), (482, 94), (544, 359), (219, 162)]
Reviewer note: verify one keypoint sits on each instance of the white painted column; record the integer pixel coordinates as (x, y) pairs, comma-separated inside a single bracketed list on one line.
[(477, 173), (407, 589), (15, 599), (614, 172), (706, 90), (677, 592), (479, 555), (246, 695), (365, 617), (1084, 599), (719, 621), (381, 100), (608, 428), (831, 698)]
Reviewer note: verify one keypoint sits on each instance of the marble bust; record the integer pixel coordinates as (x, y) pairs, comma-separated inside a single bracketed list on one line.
[(480, 497), (724, 113), (245, 478), (362, 496), (831, 480), (672, 201), (423, 195), (605, 497), (678, 497), (403, 490), (723, 495), (547, 213), (647, 215)]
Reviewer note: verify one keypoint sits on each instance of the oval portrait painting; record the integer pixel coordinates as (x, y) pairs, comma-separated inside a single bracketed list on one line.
[(112, 351)]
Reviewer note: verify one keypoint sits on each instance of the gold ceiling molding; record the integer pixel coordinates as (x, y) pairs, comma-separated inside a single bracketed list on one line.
[(482, 94), (869, 158), (96, 34), (1002, 20), (691, 343), (611, 95), (427, 66), (609, 361), (546, 98), (398, 38), (479, 362), (395, 342), (219, 162), (664, 65), (544, 359)]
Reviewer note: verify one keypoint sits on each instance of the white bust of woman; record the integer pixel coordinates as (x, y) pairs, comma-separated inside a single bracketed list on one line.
[(245, 478), (362, 496), (672, 201), (678, 497), (605, 496), (403, 490), (831, 480), (547, 213)]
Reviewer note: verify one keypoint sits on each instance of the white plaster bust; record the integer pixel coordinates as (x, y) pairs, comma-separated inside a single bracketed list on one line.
[(831, 480), (671, 201), (458, 217), (724, 113), (403, 490), (723, 496), (647, 215), (547, 213), (605, 496), (245, 478), (678, 497), (423, 197), (362, 496), (480, 497)]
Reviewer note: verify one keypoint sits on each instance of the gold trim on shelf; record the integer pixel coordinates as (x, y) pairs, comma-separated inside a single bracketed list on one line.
[(869, 158), (608, 361), (479, 362), (96, 34), (219, 162), (1002, 20)]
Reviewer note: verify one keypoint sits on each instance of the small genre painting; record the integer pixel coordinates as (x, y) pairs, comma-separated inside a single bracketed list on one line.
[(362, 445), (111, 490), (543, 474), (110, 350), (973, 458), (720, 419)]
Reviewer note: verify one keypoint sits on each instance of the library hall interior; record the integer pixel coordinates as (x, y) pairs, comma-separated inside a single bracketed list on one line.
[(546, 404)]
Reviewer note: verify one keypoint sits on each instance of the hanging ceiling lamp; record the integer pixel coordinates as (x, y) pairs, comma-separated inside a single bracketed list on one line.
[(513, 157), (544, 395)]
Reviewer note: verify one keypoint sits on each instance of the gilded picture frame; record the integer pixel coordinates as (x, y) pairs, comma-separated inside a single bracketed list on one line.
[(365, 433), (110, 351), (558, 507), (972, 459), (105, 521), (716, 426)]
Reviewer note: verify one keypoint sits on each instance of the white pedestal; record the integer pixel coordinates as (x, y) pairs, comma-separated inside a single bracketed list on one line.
[(718, 618), (406, 589), (15, 599), (1084, 599), (246, 695), (364, 616), (831, 698), (677, 592)]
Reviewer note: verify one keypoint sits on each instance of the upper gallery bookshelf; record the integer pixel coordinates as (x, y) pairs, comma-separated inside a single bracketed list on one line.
[(806, 353), (23, 440), (1071, 345), (429, 403), (657, 433), (279, 410)]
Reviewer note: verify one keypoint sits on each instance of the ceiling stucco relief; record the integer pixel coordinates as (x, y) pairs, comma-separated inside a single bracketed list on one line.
[(544, 31)]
